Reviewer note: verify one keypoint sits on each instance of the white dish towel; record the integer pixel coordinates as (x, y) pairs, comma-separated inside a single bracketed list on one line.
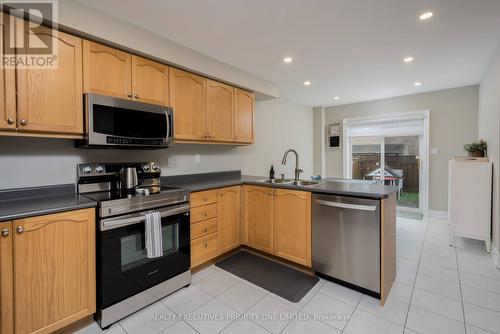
[(154, 247)]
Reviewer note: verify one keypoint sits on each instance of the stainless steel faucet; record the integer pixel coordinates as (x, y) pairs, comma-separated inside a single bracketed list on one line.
[(297, 169)]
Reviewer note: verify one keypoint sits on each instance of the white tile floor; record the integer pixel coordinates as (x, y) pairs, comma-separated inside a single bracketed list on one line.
[(438, 289)]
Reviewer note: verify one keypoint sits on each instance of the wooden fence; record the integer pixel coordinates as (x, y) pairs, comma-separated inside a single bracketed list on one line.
[(364, 163)]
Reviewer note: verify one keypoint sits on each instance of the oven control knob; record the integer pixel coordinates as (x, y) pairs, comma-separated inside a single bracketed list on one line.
[(87, 169), (99, 169), (145, 167), (154, 166)]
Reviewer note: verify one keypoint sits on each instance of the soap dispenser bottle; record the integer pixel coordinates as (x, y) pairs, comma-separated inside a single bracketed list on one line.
[(271, 172)]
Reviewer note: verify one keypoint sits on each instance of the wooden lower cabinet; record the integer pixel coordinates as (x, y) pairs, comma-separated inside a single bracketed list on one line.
[(6, 279), (258, 216), (229, 218), (275, 221), (53, 271), (203, 249), (292, 225), (278, 221)]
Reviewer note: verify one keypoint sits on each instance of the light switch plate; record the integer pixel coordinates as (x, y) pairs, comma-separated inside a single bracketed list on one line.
[(434, 151), (197, 158), (170, 162)]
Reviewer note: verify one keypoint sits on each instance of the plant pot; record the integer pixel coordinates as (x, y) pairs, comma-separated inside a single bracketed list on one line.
[(477, 154)]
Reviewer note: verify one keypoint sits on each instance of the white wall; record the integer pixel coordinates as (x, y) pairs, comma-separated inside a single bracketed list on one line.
[(27, 162), (453, 122), (489, 129)]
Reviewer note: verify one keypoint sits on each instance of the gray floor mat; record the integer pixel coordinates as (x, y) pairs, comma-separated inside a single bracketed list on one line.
[(279, 279)]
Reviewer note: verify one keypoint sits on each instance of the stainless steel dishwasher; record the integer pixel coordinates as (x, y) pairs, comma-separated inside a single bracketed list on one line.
[(346, 241)]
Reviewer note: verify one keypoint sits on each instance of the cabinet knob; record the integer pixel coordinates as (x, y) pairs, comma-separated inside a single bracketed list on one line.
[(20, 229), (205, 199), (136, 96), (205, 229), (129, 94), (205, 213), (270, 193), (5, 232), (10, 121), (206, 244), (23, 122)]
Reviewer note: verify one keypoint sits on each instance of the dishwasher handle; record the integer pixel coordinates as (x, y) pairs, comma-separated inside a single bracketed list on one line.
[(346, 205)]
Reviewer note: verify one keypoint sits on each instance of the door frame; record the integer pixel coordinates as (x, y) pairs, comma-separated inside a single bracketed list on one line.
[(424, 147)]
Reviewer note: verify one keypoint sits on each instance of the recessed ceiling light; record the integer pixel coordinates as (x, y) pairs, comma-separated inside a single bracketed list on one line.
[(336, 98), (307, 83), (288, 59), (417, 84), (408, 59), (426, 15)]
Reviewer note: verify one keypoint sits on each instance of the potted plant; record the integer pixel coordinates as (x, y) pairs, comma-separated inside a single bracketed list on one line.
[(476, 149)]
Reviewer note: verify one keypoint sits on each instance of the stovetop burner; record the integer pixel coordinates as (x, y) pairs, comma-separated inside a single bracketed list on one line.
[(99, 182)]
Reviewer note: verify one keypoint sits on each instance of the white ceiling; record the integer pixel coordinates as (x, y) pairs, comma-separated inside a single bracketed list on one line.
[(347, 48)]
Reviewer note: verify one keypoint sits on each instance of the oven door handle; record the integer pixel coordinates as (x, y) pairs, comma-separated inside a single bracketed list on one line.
[(116, 222)]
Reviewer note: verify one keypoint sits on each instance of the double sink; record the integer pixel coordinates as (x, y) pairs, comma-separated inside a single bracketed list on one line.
[(290, 182)]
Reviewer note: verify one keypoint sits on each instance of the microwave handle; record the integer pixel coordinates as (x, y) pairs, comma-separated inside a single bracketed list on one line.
[(169, 124), (116, 222)]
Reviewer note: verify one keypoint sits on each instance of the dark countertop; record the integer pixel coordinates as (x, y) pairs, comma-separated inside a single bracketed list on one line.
[(28, 202), (206, 181)]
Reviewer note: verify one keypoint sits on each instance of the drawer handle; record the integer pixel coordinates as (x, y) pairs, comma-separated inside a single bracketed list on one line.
[(205, 199), (205, 213), (206, 244), (205, 229)]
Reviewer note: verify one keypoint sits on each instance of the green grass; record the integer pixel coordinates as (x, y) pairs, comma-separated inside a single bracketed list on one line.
[(408, 197)]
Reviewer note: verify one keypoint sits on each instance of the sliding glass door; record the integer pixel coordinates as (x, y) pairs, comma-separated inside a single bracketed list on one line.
[(393, 161)]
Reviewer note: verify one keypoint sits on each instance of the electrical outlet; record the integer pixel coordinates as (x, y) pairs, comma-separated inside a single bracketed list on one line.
[(434, 151), (197, 158), (170, 162)]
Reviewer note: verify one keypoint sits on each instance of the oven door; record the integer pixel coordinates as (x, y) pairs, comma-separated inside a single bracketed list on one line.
[(118, 122), (124, 269)]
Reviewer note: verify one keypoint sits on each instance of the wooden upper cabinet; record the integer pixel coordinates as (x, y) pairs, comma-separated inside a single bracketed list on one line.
[(292, 225), (50, 100), (150, 81), (220, 112), (188, 99), (7, 87), (54, 270), (6, 279), (258, 216), (243, 117), (229, 218), (106, 71)]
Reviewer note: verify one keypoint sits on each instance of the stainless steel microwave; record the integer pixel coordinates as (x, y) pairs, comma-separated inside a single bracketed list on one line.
[(112, 122)]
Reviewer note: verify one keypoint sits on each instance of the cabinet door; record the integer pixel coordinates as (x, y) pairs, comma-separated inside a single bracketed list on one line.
[(243, 113), (258, 215), (220, 112), (7, 86), (106, 71), (229, 218), (54, 269), (292, 225), (149, 81), (188, 98), (6, 279), (50, 100)]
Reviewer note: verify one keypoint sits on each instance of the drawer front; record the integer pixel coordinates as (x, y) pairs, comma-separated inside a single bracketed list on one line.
[(203, 198), (203, 228), (203, 249), (203, 213)]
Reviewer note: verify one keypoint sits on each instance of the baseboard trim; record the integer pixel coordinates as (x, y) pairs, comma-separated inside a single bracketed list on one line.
[(496, 256), (438, 214)]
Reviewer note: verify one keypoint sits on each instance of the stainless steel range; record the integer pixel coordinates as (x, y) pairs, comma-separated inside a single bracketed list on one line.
[(127, 279)]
